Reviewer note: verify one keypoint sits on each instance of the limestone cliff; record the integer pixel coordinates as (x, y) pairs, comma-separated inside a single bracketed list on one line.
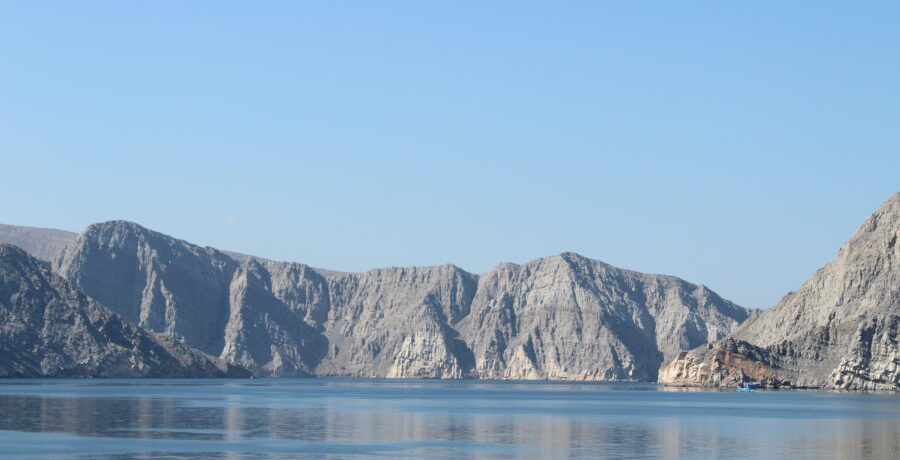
[(398, 322), (47, 329), (160, 283), (570, 317), (839, 330)]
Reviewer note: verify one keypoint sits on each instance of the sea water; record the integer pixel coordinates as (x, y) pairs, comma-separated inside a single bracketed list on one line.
[(325, 418)]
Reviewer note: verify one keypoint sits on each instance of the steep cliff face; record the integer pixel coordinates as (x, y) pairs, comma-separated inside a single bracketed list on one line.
[(569, 317), (47, 329), (872, 360), (398, 322), (275, 316), (562, 317), (840, 329), (162, 284)]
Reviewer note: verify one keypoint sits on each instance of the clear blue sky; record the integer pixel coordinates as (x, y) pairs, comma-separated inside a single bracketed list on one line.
[(735, 144)]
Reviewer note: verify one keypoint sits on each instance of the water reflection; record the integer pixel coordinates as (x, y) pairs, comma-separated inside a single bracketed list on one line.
[(340, 419)]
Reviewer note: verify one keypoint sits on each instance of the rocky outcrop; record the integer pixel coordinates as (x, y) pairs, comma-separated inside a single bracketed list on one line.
[(42, 243), (726, 363), (561, 317), (838, 331), (47, 329)]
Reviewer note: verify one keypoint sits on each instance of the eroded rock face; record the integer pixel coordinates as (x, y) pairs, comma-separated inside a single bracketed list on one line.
[(726, 363), (160, 283), (840, 329), (561, 317), (873, 359), (275, 313), (47, 329), (398, 322), (569, 317)]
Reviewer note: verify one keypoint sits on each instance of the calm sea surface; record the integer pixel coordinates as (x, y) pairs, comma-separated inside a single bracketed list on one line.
[(320, 418)]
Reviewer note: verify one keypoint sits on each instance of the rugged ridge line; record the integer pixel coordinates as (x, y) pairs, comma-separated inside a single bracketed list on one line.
[(560, 317), (47, 329), (42, 243), (839, 330)]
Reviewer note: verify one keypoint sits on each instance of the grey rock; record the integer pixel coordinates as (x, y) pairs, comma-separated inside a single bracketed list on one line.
[(839, 330), (275, 313), (573, 318), (47, 329), (398, 323), (160, 283), (561, 317), (43, 243)]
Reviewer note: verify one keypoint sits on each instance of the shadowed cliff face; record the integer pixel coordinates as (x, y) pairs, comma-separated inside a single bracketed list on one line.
[(561, 317), (49, 329), (839, 330), (160, 283)]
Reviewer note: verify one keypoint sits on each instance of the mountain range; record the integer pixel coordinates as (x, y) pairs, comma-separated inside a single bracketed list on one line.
[(563, 317), (559, 317)]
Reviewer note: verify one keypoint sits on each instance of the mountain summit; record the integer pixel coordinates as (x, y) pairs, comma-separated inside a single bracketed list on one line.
[(839, 330), (47, 329)]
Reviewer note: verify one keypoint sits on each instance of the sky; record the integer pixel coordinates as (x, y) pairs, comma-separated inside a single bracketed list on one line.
[(733, 144)]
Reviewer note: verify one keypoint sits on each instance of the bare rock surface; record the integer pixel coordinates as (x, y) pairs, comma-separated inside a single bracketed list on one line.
[(160, 283), (560, 317), (573, 318), (47, 329), (839, 330), (726, 363)]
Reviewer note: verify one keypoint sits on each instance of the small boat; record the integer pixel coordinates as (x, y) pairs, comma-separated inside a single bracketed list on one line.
[(745, 387)]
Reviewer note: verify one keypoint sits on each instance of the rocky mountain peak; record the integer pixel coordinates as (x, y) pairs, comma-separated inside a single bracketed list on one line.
[(840, 329), (49, 329)]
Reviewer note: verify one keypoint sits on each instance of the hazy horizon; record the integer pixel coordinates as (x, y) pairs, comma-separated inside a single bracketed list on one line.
[(732, 145)]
